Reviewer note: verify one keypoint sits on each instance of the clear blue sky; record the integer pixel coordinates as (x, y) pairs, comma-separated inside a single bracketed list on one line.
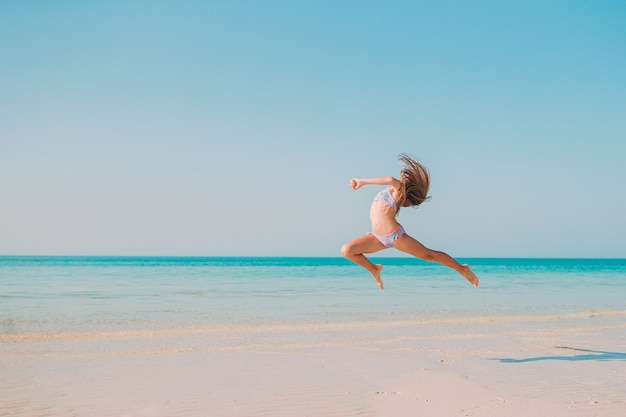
[(234, 127)]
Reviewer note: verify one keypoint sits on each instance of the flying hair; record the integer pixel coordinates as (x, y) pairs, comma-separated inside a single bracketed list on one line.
[(415, 179)]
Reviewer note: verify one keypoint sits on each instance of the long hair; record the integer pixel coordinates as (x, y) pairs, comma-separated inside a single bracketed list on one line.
[(415, 179)]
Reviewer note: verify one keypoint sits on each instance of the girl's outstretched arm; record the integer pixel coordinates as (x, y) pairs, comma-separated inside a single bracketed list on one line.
[(357, 183)]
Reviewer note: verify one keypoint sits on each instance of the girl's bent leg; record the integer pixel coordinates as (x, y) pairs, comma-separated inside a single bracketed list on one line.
[(355, 249), (407, 244)]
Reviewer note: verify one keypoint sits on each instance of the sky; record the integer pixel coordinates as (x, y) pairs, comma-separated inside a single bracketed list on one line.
[(233, 128)]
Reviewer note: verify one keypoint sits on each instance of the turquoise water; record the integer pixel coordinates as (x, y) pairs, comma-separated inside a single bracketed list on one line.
[(100, 294)]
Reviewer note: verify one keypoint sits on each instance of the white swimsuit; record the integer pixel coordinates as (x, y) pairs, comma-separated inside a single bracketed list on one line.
[(386, 197)]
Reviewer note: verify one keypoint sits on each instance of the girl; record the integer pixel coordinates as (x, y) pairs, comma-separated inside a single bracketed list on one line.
[(410, 190)]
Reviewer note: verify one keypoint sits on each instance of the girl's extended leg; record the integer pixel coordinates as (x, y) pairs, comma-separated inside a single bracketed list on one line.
[(407, 244), (355, 249)]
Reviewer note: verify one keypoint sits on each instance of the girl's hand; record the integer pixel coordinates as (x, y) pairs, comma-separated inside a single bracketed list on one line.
[(355, 184)]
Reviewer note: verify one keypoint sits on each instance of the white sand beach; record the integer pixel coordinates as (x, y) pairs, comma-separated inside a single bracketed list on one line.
[(546, 366)]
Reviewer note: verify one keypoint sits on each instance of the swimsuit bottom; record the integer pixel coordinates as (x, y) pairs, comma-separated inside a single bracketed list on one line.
[(388, 240)]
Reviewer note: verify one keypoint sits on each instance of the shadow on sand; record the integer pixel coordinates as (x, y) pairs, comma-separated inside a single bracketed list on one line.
[(590, 355)]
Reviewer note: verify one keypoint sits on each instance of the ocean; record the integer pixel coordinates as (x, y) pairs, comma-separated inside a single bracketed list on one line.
[(47, 296)]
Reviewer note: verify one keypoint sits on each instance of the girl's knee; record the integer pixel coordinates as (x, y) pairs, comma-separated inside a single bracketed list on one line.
[(346, 250), (426, 255), (429, 255)]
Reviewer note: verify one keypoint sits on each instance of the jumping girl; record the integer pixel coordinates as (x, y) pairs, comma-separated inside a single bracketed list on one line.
[(410, 190)]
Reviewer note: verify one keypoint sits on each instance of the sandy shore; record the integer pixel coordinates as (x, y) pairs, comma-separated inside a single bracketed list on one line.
[(572, 366)]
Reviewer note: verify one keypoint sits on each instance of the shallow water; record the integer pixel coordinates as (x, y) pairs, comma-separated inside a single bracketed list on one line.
[(48, 295)]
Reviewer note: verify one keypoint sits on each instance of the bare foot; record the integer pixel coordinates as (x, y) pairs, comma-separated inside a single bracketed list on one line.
[(376, 275), (469, 275)]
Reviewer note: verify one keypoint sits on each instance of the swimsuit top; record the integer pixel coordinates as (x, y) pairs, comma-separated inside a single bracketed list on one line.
[(386, 197)]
